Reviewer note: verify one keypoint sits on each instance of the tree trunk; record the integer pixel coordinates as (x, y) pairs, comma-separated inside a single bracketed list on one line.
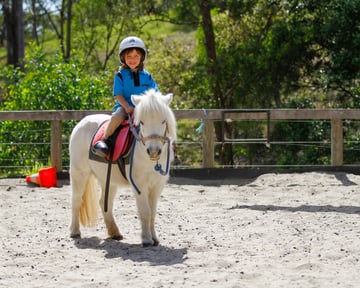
[(34, 22), (20, 42), (210, 45), (9, 33), (62, 22), (14, 31), (68, 29)]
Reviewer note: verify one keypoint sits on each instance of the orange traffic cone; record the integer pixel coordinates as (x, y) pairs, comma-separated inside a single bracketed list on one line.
[(33, 178), (45, 178)]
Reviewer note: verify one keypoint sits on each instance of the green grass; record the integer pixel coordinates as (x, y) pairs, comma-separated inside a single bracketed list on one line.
[(157, 29)]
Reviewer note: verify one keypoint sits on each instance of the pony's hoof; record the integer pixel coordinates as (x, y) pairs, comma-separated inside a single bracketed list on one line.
[(146, 245), (75, 236), (150, 244), (116, 237)]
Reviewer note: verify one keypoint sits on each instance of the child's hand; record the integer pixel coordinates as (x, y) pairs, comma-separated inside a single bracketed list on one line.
[(129, 109)]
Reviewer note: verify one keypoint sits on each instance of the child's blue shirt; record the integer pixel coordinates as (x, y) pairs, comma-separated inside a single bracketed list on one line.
[(127, 83)]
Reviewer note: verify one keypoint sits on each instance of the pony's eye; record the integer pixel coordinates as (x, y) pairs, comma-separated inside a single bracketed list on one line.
[(141, 122), (163, 122)]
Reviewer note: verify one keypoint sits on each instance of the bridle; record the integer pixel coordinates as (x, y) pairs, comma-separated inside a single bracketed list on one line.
[(153, 137)]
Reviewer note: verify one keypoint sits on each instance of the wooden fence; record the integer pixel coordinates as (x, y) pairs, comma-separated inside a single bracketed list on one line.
[(208, 116)]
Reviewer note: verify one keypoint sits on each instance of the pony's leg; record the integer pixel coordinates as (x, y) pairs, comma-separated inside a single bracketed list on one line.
[(153, 200), (78, 184), (112, 228), (145, 214)]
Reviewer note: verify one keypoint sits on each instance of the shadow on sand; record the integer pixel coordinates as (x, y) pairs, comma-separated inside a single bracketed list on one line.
[(302, 208), (238, 176), (155, 255)]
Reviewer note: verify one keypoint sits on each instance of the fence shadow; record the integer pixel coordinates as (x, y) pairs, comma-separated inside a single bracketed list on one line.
[(303, 208), (238, 176)]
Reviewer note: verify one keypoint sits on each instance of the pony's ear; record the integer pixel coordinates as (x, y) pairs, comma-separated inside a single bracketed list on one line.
[(168, 98), (136, 99)]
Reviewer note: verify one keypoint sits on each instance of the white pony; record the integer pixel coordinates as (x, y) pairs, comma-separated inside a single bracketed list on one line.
[(151, 154)]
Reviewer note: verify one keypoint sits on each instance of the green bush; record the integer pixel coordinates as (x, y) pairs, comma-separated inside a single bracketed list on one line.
[(48, 83)]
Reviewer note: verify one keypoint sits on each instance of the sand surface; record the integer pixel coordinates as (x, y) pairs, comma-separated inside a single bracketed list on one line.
[(275, 230)]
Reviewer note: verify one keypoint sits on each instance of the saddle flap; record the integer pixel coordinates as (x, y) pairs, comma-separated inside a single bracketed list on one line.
[(122, 141)]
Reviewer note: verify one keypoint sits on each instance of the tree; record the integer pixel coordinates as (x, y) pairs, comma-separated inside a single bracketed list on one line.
[(69, 5), (101, 25), (14, 31), (339, 38), (41, 88), (34, 22), (60, 24), (210, 47)]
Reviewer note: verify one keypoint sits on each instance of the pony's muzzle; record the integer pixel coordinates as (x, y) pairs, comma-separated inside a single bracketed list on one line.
[(154, 144), (154, 152)]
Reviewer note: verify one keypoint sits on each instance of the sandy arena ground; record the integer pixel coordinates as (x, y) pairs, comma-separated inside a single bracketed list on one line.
[(274, 230)]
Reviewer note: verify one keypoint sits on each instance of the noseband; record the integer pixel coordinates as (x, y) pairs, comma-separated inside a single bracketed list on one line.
[(152, 137), (155, 137)]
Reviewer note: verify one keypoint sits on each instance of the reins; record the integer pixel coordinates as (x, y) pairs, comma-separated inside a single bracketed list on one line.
[(108, 175)]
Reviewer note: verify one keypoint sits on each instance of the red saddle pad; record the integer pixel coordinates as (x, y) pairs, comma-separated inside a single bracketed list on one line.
[(122, 142)]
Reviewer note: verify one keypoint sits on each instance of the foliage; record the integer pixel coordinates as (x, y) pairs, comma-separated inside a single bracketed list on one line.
[(172, 63), (340, 36), (189, 147), (48, 84), (316, 133)]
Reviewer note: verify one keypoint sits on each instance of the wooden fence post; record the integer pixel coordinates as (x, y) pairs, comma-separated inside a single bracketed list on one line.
[(337, 140), (56, 145), (208, 143)]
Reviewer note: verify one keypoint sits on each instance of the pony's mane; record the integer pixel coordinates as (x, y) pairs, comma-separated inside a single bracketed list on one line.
[(152, 106)]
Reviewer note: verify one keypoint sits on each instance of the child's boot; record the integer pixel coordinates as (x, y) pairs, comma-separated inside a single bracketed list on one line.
[(101, 148)]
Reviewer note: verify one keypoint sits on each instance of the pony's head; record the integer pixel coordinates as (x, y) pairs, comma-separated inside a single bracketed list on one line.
[(156, 120)]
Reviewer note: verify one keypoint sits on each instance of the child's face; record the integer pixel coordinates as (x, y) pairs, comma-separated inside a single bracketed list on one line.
[(132, 58)]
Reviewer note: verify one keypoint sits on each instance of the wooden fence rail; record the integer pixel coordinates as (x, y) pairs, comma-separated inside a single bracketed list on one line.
[(208, 116)]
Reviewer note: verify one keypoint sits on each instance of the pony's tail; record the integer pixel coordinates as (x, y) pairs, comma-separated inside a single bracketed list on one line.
[(89, 207)]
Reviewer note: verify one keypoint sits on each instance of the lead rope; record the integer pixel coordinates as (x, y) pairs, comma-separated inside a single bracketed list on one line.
[(131, 168), (133, 128), (134, 131), (158, 166)]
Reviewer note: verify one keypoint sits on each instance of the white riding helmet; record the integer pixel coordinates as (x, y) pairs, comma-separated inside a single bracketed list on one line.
[(132, 42)]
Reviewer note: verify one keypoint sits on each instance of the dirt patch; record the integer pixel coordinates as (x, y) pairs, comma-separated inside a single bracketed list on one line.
[(272, 230)]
